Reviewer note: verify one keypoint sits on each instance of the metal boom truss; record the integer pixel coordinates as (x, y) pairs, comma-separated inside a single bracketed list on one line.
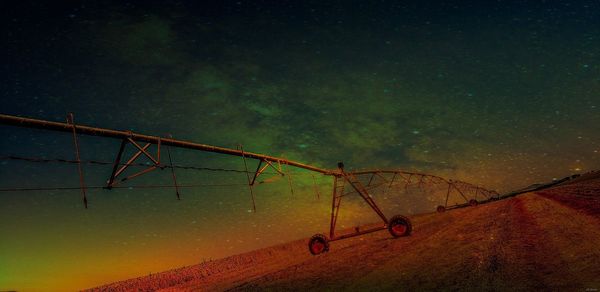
[(397, 225)]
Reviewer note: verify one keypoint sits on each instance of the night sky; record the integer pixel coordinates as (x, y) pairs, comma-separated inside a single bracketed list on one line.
[(501, 94)]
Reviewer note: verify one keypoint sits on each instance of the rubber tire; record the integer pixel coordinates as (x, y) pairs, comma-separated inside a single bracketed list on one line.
[(473, 202), (399, 219), (441, 209), (315, 239)]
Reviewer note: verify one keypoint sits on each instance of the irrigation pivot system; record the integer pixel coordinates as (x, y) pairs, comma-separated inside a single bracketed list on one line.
[(360, 183)]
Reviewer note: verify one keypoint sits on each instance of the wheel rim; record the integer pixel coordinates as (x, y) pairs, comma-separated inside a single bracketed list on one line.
[(317, 247), (399, 228)]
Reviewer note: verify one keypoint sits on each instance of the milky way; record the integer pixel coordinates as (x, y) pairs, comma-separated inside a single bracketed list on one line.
[(501, 95)]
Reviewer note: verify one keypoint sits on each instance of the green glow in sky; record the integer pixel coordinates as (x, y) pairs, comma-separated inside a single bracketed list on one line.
[(495, 94)]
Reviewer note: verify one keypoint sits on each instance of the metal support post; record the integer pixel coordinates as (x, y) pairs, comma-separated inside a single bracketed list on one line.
[(71, 121), (250, 183), (173, 172)]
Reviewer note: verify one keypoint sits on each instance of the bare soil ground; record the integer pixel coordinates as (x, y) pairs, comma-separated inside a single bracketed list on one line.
[(547, 241)]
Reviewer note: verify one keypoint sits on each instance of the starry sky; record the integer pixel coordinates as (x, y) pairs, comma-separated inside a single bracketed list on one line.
[(503, 94)]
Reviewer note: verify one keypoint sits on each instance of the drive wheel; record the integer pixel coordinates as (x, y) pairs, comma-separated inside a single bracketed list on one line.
[(318, 244), (399, 226), (473, 202), (441, 209)]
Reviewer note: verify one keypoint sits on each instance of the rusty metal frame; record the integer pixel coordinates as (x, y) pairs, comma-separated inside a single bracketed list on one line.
[(340, 177), (119, 169), (260, 170), (409, 179)]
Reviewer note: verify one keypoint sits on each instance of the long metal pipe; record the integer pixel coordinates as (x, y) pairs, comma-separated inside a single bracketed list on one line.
[(93, 131)]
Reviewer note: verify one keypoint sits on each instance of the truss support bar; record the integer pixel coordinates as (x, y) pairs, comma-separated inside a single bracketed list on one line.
[(360, 189), (143, 150), (317, 193), (338, 190), (258, 171), (460, 192), (289, 177), (151, 168), (173, 174), (71, 121), (131, 160), (116, 165), (248, 177), (382, 177), (361, 232), (273, 166), (367, 198), (371, 179), (448, 195)]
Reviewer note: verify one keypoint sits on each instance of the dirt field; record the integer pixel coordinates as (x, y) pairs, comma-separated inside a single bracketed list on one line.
[(545, 241)]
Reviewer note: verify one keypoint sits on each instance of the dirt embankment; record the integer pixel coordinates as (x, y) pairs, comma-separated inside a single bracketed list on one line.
[(536, 241)]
